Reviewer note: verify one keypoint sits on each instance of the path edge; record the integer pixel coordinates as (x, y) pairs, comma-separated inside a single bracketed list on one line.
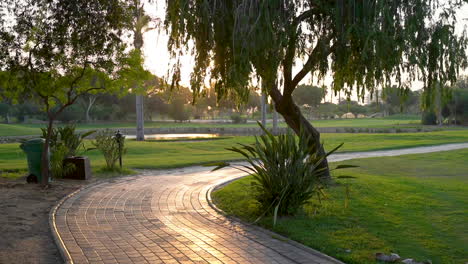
[(66, 256), (259, 228)]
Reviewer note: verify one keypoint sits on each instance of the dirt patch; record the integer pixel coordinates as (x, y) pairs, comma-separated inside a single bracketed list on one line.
[(24, 215)]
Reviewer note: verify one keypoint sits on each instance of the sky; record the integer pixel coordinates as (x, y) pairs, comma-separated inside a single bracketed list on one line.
[(157, 58)]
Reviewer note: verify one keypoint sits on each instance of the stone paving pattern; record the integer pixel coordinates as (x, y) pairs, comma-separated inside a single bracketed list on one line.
[(164, 217)]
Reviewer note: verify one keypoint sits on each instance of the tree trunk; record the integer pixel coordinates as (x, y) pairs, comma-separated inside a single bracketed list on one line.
[(7, 118), (275, 122), (45, 155), (91, 101), (296, 121), (140, 135), (264, 111)]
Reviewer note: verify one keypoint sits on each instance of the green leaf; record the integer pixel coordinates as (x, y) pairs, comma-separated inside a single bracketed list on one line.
[(333, 150), (346, 177), (84, 135), (275, 214), (345, 167), (219, 165)]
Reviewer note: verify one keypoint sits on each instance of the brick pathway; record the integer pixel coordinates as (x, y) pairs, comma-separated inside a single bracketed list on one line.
[(164, 217)]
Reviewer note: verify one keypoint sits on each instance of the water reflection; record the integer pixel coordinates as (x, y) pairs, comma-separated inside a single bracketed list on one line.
[(175, 136)]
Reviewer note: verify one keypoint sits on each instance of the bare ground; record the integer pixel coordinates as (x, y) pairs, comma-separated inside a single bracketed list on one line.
[(25, 235)]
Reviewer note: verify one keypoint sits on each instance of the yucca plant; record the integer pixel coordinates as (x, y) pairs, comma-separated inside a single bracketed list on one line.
[(64, 142), (68, 136), (285, 169)]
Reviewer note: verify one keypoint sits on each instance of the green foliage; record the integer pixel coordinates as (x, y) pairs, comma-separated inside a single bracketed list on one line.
[(419, 197), (361, 42), (457, 106), (64, 143), (72, 113), (5, 110), (67, 136), (308, 94), (179, 110), (76, 49), (57, 167), (429, 118), (237, 118), (285, 171), (108, 145), (158, 155)]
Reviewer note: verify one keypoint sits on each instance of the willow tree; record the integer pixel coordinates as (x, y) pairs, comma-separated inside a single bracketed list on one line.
[(362, 44)]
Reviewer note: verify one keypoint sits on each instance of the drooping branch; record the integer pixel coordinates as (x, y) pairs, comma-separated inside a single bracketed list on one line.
[(321, 50)]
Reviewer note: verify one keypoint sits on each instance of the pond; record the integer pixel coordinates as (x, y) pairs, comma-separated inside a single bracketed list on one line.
[(175, 136)]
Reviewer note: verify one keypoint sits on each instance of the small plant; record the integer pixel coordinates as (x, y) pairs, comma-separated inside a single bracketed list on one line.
[(69, 138), (72, 140), (108, 145), (286, 171), (64, 143), (57, 167)]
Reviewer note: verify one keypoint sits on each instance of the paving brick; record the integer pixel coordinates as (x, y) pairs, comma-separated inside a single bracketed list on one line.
[(164, 217)]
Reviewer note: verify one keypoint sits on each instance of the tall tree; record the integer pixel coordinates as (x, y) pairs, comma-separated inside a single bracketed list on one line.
[(361, 43), (62, 50), (141, 23)]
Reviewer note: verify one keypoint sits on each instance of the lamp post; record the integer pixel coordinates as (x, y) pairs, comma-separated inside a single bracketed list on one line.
[(118, 137)]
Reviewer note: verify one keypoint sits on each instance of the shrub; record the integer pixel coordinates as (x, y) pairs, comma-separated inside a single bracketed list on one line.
[(429, 118), (64, 142), (285, 170), (71, 114), (107, 144), (238, 119)]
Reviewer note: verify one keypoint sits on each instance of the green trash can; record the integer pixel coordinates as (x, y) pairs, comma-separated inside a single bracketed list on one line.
[(33, 149)]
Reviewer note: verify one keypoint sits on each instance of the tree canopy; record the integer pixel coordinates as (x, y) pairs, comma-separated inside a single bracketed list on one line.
[(362, 44), (58, 51), (308, 94)]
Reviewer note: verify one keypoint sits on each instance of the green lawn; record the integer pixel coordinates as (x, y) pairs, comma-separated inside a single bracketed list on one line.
[(153, 154), (398, 121), (413, 205)]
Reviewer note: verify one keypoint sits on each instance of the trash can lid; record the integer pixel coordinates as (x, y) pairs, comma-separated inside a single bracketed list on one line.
[(35, 141), (32, 142)]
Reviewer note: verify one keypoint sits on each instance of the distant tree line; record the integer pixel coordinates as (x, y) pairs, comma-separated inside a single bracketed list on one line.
[(160, 104), (315, 102)]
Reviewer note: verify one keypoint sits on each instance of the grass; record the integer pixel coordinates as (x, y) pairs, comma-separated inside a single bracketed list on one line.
[(389, 122), (413, 205), (161, 154)]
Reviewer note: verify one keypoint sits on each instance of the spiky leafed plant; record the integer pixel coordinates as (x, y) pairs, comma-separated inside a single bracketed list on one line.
[(286, 171)]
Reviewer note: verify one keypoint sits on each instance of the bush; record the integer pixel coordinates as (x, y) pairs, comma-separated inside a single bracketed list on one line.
[(429, 118), (238, 119), (285, 169), (72, 113), (64, 142), (107, 144)]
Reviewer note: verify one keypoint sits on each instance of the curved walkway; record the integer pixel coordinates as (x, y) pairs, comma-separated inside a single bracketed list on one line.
[(165, 217)]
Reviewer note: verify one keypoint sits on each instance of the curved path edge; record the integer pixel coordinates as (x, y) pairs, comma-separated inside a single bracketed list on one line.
[(261, 229), (53, 227), (207, 189)]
